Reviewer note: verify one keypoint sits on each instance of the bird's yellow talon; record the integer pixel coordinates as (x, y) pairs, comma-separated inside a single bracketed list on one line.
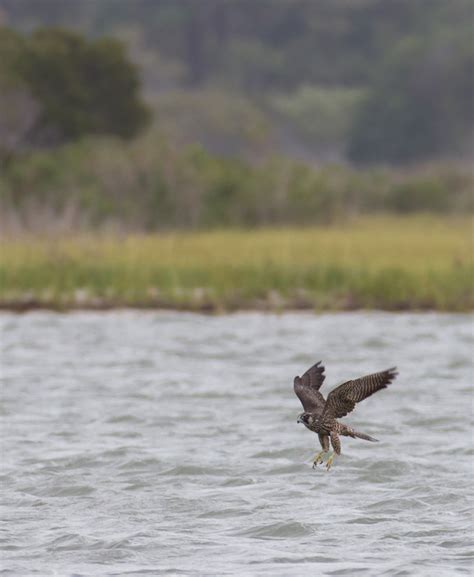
[(318, 459), (330, 462)]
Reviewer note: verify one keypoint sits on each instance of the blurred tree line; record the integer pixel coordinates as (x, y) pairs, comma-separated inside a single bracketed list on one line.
[(149, 185), (369, 80), (236, 92)]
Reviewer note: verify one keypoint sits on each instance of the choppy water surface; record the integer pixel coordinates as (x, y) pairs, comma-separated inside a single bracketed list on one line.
[(167, 444)]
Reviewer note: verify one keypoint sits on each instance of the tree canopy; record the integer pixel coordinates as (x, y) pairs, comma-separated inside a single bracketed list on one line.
[(74, 85)]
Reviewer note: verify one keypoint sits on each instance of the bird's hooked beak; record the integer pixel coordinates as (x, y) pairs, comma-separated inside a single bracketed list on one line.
[(299, 420)]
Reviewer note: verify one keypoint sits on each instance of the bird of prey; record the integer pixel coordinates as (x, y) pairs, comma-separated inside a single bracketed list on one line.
[(320, 415)]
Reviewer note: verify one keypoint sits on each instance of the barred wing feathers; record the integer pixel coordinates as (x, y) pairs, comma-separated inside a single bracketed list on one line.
[(343, 398)]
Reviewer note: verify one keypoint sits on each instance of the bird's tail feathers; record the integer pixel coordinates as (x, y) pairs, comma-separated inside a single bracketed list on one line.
[(365, 437)]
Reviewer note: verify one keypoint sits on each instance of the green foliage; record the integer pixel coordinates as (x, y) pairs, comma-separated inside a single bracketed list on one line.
[(409, 196), (11, 49), (84, 86), (323, 116), (79, 86), (150, 185), (223, 123), (19, 111), (420, 105), (251, 66)]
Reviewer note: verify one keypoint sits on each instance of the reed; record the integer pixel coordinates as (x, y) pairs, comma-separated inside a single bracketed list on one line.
[(375, 262)]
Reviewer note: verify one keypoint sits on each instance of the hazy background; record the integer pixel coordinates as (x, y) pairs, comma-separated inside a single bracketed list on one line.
[(228, 112)]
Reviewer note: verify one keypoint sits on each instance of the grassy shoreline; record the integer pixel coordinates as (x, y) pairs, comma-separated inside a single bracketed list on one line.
[(412, 263)]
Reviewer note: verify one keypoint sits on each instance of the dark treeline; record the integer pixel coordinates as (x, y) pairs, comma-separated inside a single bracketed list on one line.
[(259, 45), (366, 80), (147, 115)]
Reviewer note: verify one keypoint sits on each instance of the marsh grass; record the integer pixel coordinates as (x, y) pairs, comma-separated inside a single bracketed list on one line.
[(378, 262)]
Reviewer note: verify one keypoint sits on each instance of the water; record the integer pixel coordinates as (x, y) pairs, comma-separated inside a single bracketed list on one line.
[(166, 444)]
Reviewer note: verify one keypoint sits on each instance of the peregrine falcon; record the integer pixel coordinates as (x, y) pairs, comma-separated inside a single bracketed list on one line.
[(320, 415)]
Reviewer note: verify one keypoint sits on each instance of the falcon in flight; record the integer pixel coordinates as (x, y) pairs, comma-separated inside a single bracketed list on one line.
[(320, 415)]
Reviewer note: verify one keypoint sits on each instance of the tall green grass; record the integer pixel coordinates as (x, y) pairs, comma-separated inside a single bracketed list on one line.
[(388, 263)]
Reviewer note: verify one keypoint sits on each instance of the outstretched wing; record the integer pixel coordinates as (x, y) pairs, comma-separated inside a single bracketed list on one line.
[(307, 389), (343, 398)]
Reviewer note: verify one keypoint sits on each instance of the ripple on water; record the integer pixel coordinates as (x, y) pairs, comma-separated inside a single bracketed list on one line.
[(124, 419), (238, 482), (60, 491), (383, 470), (224, 514), (279, 530), (194, 470), (149, 463), (396, 505), (274, 454)]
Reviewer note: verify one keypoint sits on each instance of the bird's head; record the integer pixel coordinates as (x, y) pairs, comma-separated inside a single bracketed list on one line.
[(306, 419)]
